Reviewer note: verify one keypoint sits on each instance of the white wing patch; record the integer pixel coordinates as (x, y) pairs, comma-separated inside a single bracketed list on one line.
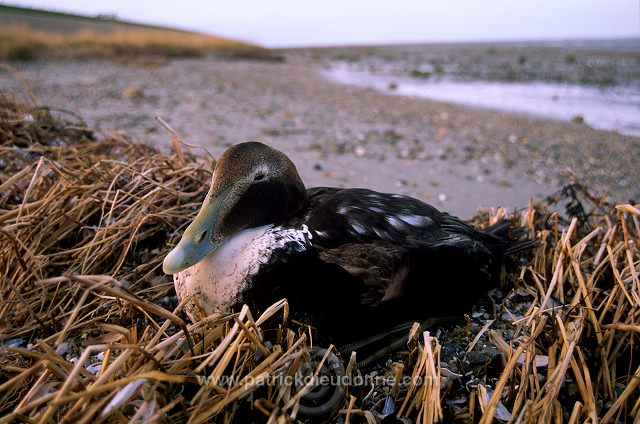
[(415, 220), (395, 222), (360, 229)]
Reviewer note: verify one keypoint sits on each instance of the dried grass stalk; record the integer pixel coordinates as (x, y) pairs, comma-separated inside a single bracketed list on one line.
[(97, 333)]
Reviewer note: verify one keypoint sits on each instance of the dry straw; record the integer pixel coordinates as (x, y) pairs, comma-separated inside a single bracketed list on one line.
[(90, 330)]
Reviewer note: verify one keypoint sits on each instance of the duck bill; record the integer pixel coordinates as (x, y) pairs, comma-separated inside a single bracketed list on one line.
[(197, 241)]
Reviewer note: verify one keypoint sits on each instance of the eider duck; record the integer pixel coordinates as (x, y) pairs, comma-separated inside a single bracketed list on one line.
[(350, 259)]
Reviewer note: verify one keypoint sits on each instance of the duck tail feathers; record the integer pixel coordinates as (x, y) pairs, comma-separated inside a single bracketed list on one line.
[(509, 239)]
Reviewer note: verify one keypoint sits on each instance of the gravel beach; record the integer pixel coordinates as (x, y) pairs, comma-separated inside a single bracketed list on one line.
[(457, 158)]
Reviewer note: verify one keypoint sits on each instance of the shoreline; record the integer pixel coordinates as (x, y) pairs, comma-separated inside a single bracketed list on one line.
[(457, 158), (601, 108)]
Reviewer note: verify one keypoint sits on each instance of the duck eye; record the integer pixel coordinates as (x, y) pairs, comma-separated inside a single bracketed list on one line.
[(258, 177)]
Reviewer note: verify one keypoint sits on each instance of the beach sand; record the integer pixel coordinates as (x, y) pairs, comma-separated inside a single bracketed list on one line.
[(454, 157)]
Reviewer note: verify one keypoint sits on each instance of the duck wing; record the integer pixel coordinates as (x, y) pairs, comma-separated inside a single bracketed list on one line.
[(375, 265), (340, 216), (404, 252)]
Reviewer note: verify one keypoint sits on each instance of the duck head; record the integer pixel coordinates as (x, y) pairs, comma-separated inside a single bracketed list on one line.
[(252, 185)]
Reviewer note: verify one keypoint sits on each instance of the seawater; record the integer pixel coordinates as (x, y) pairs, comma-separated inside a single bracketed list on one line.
[(614, 108)]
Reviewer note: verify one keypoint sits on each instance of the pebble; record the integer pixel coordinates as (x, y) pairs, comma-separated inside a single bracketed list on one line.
[(330, 175), (491, 351), (14, 343), (63, 348), (133, 93), (94, 368), (476, 357)]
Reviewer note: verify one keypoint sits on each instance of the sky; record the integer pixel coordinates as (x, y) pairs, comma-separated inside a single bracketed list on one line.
[(288, 23)]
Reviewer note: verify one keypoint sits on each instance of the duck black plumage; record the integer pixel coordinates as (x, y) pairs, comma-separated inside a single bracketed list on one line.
[(345, 257)]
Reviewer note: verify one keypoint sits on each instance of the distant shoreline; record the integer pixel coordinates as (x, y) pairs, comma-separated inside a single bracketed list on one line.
[(624, 44), (595, 82), (605, 108)]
